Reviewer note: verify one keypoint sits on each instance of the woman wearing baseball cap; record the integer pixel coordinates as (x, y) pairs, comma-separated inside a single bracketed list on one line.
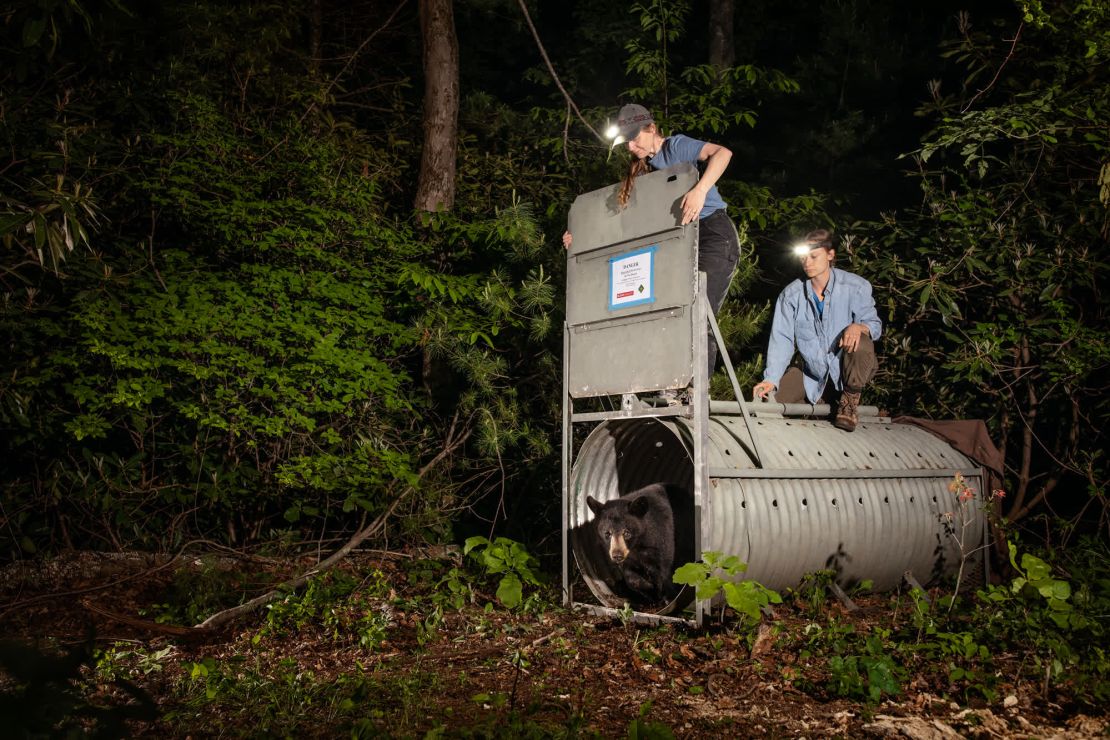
[(718, 242)]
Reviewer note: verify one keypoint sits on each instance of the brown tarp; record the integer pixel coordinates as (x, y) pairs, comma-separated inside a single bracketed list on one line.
[(970, 437)]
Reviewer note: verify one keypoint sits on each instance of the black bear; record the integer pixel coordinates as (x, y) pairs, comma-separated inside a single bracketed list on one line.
[(639, 533)]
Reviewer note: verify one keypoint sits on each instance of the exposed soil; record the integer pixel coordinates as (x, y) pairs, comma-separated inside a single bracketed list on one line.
[(488, 671)]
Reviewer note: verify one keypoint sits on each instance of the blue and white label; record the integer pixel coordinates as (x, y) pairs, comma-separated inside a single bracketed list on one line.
[(632, 278)]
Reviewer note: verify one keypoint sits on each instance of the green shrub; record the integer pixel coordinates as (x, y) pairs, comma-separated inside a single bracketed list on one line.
[(748, 598), (345, 609), (508, 559)]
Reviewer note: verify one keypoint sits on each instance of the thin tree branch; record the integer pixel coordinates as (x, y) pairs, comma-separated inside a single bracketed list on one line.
[(566, 135), (352, 57), (555, 77), (994, 79), (1040, 496)]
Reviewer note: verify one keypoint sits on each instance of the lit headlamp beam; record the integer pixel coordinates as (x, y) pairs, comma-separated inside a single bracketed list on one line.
[(802, 249)]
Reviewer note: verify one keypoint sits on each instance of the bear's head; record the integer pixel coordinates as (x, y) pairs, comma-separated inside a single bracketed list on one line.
[(620, 523)]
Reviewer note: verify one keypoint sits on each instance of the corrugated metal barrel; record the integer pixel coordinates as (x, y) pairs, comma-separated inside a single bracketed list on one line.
[(869, 505)]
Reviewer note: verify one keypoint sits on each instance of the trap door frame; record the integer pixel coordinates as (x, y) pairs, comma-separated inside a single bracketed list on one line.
[(653, 340), (630, 289)]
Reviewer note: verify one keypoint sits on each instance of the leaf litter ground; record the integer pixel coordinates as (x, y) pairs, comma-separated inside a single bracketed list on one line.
[(385, 658)]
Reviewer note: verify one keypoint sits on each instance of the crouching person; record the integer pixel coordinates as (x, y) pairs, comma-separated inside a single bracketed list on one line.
[(829, 318)]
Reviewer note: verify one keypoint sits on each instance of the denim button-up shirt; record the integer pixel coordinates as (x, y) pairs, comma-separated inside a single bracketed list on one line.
[(796, 324)]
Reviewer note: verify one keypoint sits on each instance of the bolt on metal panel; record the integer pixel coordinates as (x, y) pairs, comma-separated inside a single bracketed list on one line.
[(639, 339)]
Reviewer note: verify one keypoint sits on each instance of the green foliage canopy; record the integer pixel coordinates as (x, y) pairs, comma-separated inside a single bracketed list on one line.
[(994, 286)]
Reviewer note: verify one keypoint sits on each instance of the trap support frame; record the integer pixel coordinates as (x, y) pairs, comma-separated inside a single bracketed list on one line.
[(801, 494), (637, 320)]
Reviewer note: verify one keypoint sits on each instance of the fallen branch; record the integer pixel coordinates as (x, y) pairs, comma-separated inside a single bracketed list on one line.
[(226, 616), (175, 560), (158, 628)]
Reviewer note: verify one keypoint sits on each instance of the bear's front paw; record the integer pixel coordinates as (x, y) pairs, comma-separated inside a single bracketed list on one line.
[(646, 589)]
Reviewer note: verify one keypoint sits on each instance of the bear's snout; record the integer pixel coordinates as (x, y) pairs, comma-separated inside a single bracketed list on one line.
[(618, 549)]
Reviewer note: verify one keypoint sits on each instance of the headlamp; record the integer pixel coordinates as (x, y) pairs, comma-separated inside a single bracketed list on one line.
[(613, 133), (801, 249)]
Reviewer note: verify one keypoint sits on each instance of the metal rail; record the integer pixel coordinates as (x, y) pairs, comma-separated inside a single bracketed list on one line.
[(732, 408), (816, 474)]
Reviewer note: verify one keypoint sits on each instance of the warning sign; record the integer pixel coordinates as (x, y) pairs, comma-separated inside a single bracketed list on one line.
[(631, 278)]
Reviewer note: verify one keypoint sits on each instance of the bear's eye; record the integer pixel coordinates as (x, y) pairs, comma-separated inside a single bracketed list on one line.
[(626, 534), (606, 533)]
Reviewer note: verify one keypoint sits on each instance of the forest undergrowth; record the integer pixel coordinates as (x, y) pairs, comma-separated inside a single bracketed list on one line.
[(437, 644)]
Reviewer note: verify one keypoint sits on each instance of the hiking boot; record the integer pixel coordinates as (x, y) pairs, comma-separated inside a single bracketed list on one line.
[(846, 414)]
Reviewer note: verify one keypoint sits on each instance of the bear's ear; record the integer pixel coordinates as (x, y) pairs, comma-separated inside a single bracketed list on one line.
[(639, 507), (595, 505)]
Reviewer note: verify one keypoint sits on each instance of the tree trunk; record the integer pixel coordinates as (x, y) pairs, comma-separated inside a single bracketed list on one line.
[(722, 49), (316, 24), (436, 189)]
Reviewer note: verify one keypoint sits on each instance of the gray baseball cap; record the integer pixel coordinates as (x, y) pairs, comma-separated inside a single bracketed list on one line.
[(631, 119)]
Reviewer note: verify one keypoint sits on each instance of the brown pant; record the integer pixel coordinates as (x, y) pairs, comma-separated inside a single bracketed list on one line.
[(856, 370)]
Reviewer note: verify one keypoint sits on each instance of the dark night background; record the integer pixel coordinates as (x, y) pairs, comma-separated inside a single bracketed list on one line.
[(224, 316), (279, 278)]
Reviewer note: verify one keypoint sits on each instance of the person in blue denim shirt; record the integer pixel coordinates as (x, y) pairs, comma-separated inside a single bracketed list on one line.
[(830, 319), (718, 242)]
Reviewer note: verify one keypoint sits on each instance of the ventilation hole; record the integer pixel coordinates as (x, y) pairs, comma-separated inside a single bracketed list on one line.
[(886, 499), (834, 502), (934, 499), (920, 455), (942, 454), (787, 423), (672, 178), (859, 501), (775, 503), (728, 452), (790, 452), (743, 504), (819, 454), (805, 502), (846, 453), (896, 454), (911, 499), (871, 454)]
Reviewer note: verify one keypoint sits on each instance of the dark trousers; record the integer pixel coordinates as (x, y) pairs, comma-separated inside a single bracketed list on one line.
[(856, 370), (718, 253)]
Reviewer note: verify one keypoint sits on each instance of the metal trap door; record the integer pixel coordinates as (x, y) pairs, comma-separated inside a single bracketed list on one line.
[(631, 286)]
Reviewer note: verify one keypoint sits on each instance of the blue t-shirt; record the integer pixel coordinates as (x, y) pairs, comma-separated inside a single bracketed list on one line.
[(677, 149)]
